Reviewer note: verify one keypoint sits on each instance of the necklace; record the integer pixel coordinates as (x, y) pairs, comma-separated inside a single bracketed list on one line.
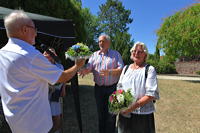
[(137, 66)]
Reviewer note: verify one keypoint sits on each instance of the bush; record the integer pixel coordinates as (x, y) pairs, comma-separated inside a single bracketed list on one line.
[(163, 67), (198, 72)]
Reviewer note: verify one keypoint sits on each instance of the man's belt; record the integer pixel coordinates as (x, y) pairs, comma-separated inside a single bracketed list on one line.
[(106, 86)]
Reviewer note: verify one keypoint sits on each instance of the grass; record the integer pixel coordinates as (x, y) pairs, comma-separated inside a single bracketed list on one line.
[(178, 110)]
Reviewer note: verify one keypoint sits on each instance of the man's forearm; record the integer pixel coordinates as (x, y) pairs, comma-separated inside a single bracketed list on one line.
[(68, 74)]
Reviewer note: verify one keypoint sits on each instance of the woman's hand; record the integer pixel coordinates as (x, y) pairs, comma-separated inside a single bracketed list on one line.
[(127, 111), (138, 103)]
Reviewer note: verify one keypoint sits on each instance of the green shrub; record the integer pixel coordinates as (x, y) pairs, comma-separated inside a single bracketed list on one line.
[(163, 67), (198, 72)]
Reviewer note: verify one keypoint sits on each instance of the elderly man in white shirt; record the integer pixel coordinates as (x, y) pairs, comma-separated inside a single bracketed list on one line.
[(25, 74)]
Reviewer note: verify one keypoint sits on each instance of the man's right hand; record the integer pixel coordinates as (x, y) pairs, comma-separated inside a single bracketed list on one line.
[(69, 73), (80, 63)]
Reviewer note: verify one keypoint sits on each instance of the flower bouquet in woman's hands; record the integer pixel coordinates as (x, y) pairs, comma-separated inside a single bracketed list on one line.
[(78, 51), (120, 100)]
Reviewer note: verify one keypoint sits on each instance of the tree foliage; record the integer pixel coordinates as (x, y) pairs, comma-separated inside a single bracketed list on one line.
[(157, 53), (92, 29), (179, 35), (65, 9), (114, 19), (121, 42)]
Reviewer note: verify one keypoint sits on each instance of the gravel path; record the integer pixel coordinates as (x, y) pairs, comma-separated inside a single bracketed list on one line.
[(179, 77)]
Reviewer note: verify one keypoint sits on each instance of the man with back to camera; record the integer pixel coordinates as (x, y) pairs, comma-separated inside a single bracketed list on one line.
[(25, 74)]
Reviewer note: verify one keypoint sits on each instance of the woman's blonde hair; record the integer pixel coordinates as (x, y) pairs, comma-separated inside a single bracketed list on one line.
[(144, 47)]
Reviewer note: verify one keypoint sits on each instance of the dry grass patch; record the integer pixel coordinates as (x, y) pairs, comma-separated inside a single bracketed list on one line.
[(86, 80), (178, 110)]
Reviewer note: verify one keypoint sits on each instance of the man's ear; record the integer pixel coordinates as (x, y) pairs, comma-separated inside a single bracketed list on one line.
[(24, 30)]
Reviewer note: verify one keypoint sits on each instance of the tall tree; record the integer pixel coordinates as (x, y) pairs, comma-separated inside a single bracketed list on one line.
[(179, 35), (114, 19), (92, 29), (121, 42), (80, 1), (157, 53)]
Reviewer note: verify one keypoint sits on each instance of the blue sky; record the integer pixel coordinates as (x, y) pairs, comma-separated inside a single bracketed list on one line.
[(147, 16)]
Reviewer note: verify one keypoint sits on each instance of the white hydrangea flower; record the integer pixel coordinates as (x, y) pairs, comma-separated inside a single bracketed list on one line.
[(120, 98)]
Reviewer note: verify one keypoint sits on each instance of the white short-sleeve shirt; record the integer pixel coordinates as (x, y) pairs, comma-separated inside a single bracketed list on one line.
[(25, 74), (135, 80)]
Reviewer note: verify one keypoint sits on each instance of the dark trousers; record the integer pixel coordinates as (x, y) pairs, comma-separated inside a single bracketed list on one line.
[(106, 120), (137, 124)]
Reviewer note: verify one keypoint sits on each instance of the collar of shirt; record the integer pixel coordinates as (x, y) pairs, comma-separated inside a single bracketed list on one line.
[(101, 53), (21, 43)]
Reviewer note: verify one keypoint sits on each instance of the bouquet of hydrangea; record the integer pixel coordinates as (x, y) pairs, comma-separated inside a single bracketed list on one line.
[(78, 51), (120, 100)]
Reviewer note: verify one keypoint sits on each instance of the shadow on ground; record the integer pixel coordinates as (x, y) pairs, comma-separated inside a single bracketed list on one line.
[(88, 111), (195, 81), (70, 125)]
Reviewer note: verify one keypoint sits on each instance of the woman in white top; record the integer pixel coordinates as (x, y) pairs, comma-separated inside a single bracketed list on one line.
[(139, 118)]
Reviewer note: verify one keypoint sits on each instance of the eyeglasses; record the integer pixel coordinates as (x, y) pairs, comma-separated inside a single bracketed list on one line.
[(101, 41), (138, 52), (32, 27)]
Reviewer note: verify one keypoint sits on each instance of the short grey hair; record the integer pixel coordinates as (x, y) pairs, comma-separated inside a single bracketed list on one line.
[(14, 21), (106, 36)]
